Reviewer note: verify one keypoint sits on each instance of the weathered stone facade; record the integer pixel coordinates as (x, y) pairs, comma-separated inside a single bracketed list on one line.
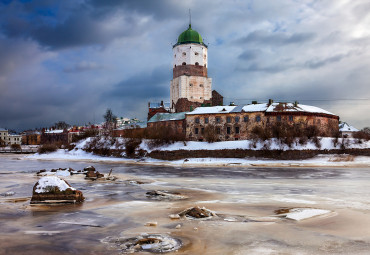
[(230, 126)]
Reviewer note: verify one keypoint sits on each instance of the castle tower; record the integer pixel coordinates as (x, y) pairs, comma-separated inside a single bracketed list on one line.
[(190, 86)]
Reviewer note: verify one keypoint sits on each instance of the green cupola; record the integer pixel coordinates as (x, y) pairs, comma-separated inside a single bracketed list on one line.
[(190, 36)]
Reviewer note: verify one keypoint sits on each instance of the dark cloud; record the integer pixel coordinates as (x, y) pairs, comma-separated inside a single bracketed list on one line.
[(275, 38), (249, 54), (315, 63), (82, 67), (144, 86)]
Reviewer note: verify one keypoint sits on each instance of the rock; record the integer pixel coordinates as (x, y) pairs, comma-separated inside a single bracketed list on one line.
[(155, 243), (165, 195), (7, 194), (90, 168), (178, 226), (151, 224), (52, 189), (92, 174), (174, 216), (197, 213)]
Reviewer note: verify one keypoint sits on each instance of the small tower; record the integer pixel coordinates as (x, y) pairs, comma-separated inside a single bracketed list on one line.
[(190, 87)]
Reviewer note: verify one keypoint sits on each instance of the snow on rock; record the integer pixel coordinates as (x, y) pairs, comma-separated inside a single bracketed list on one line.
[(299, 214), (44, 184), (52, 189)]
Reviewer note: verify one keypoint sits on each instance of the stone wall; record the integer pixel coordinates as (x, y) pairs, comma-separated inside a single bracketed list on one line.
[(184, 105), (239, 126), (190, 70)]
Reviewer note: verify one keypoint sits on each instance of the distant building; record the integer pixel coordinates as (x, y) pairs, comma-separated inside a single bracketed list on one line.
[(9, 139), (347, 130), (54, 136)]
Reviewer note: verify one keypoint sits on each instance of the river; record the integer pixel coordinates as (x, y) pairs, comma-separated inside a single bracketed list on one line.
[(244, 198)]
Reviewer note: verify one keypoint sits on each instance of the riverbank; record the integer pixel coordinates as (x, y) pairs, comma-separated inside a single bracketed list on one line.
[(321, 160), (342, 153)]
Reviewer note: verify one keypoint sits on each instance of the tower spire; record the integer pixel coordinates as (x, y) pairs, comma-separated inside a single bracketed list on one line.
[(189, 18)]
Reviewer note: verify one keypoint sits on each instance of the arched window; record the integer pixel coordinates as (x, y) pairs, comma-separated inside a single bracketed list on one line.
[(196, 63), (183, 63)]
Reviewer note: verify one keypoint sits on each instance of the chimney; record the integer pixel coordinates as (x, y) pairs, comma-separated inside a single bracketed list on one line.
[(254, 102), (162, 103), (271, 101), (296, 103)]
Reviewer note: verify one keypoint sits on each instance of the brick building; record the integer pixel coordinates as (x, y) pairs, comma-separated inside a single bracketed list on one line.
[(237, 122)]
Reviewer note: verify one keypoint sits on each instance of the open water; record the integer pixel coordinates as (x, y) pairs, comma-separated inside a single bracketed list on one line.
[(243, 198)]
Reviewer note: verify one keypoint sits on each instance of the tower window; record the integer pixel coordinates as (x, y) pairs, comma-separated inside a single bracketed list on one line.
[(175, 55), (183, 63), (200, 85), (196, 53), (190, 85), (184, 53), (205, 65), (196, 63)]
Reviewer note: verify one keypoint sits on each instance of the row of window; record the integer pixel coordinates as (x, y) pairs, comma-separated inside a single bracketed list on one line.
[(237, 119), (195, 53), (218, 130), (191, 85)]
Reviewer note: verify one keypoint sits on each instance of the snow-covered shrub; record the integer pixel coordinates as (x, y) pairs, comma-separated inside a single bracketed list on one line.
[(131, 145), (48, 147)]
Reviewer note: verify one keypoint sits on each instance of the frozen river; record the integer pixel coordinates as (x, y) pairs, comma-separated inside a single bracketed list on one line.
[(245, 200)]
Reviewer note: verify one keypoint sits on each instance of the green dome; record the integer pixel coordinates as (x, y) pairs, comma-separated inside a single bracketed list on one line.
[(189, 36)]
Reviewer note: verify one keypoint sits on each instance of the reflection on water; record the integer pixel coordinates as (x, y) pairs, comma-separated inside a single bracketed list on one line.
[(243, 198)]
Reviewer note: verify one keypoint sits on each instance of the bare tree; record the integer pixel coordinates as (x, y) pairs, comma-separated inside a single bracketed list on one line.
[(61, 125), (110, 121)]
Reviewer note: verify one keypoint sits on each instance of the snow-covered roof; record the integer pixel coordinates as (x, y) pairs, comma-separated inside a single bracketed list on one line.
[(344, 127), (274, 107), (3, 129), (255, 107), (58, 131), (159, 105), (167, 116), (51, 181), (212, 109), (290, 107)]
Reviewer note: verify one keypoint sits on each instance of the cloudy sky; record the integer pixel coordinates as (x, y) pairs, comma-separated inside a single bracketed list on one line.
[(71, 60)]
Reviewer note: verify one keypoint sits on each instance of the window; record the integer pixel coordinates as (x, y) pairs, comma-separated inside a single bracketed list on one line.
[(237, 119), (205, 65), (200, 85), (196, 131), (190, 85), (228, 130), (218, 131), (246, 118), (278, 118), (290, 118), (196, 63), (202, 131), (258, 118), (206, 120), (218, 120), (228, 119), (200, 98), (183, 63), (197, 120), (236, 130), (196, 53), (184, 53)]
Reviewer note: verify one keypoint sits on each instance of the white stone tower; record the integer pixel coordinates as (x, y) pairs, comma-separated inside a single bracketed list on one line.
[(190, 86)]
